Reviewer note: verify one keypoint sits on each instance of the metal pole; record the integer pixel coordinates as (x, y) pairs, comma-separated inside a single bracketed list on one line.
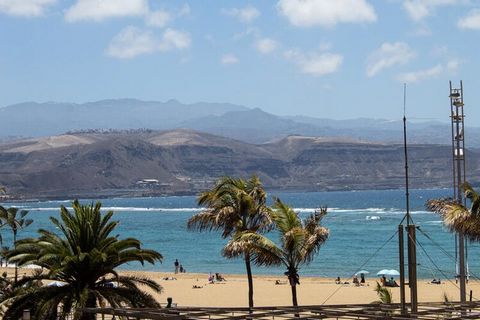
[(411, 244), (459, 182), (453, 115), (401, 254), (407, 194), (412, 267)]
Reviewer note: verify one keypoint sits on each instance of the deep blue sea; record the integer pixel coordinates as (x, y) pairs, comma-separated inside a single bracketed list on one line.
[(360, 223)]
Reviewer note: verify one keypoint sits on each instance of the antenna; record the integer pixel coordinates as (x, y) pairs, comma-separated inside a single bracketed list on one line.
[(458, 152), (411, 229), (407, 193)]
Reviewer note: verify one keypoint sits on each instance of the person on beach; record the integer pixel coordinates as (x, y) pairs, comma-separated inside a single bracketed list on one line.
[(211, 278), (383, 281), (338, 281), (355, 281), (181, 269), (392, 283), (169, 302), (362, 278), (177, 265), (219, 277)]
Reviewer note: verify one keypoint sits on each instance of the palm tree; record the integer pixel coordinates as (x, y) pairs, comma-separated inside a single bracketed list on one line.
[(300, 242), (10, 218), (458, 217), (81, 259), (234, 205), (384, 294)]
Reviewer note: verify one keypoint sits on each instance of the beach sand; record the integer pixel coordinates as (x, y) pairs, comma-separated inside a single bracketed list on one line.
[(311, 291)]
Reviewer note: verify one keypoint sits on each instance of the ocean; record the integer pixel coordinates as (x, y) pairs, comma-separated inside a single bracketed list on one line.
[(363, 226)]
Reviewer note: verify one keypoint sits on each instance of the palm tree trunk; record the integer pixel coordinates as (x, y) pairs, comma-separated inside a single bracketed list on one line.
[(250, 279), (1, 254), (294, 295), (293, 285), (91, 303), (15, 246)]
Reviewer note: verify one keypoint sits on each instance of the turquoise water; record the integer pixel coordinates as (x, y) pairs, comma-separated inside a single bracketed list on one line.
[(360, 224)]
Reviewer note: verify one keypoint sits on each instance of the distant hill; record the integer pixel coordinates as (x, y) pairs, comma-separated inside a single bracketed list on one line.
[(146, 162), (31, 119), (237, 122)]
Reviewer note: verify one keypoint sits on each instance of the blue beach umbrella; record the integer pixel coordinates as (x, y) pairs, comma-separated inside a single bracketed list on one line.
[(388, 272), (362, 271)]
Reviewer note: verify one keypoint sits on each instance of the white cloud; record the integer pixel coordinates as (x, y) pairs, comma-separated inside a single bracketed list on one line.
[(245, 15), (433, 72), (228, 59), (471, 20), (315, 63), (266, 45), (250, 31), (25, 8), (185, 10), (158, 18), (453, 65), (416, 76), (326, 13), (388, 55), (99, 10), (422, 30), (174, 40), (161, 18), (420, 9), (324, 46), (133, 41)]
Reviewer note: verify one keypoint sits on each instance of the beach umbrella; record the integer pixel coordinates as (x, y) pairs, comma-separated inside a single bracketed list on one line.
[(382, 272), (388, 272), (361, 271)]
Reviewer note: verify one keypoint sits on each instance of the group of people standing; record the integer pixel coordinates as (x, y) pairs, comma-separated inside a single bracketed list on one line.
[(178, 267)]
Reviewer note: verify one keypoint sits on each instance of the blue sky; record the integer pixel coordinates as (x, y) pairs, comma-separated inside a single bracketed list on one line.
[(324, 58)]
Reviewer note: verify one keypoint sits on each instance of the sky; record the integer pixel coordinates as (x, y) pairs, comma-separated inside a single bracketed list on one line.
[(338, 59)]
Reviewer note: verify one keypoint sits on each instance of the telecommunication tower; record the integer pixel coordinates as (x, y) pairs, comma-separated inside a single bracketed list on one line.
[(458, 155)]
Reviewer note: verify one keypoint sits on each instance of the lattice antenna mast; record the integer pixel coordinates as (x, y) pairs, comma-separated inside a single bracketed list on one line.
[(458, 155)]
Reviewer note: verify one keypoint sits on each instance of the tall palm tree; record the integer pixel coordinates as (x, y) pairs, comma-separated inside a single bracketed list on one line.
[(10, 217), (81, 258), (457, 216), (300, 242), (234, 205)]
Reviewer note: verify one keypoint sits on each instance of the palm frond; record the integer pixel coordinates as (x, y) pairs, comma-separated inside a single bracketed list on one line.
[(263, 251), (458, 217), (384, 294)]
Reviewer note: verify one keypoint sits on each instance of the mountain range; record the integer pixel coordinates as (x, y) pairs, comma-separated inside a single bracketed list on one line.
[(31, 119), (183, 161)]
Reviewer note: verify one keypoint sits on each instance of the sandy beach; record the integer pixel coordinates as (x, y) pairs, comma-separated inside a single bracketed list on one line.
[(311, 291)]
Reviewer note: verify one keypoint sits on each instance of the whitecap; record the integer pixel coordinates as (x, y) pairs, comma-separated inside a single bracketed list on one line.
[(123, 209), (433, 222)]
